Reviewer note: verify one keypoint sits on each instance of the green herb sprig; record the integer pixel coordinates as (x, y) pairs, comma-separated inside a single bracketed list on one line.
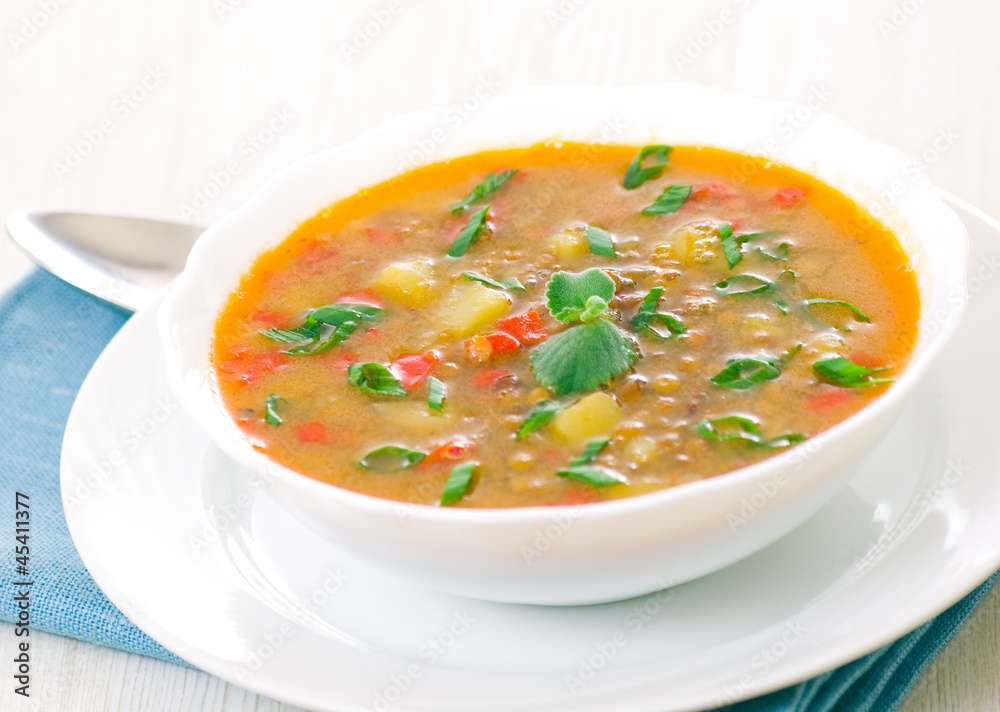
[(587, 355)]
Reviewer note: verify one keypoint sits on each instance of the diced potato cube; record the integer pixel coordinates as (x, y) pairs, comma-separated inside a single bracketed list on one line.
[(412, 284), (570, 244), (591, 416), (696, 242), (415, 417), (471, 307), (641, 449)]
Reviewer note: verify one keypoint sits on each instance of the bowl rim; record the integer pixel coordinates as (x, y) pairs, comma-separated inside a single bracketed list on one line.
[(675, 496)]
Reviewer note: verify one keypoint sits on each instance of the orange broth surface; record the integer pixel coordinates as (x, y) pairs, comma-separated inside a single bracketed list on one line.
[(662, 420)]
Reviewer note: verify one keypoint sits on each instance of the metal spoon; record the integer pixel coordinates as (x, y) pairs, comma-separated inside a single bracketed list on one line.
[(125, 261)]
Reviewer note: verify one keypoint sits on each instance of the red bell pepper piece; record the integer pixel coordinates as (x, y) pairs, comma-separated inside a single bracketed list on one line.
[(788, 196), (579, 496), (411, 369), (312, 432), (526, 328), (713, 191), (365, 296), (830, 398), (868, 360), (488, 377), (270, 318), (487, 347), (383, 236), (450, 451), (249, 367)]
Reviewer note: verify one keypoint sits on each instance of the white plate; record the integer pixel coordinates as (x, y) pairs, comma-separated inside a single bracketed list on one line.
[(193, 550)]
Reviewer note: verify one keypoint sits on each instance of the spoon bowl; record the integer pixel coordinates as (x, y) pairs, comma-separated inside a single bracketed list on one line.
[(126, 261)]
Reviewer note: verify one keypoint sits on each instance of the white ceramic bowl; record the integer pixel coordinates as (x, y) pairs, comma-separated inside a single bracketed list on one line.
[(611, 550)]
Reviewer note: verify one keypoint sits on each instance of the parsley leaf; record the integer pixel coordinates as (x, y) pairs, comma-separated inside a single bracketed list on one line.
[(746, 372), (736, 428), (858, 314), (490, 185), (391, 458), (569, 294), (670, 200), (845, 373), (324, 327), (540, 416), (374, 378), (580, 359), (458, 482), (593, 475), (469, 233), (590, 452), (513, 284), (435, 397), (636, 175), (730, 245), (600, 242), (641, 322), (271, 416)]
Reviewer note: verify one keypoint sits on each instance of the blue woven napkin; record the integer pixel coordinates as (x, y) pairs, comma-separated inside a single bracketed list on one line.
[(51, 334)]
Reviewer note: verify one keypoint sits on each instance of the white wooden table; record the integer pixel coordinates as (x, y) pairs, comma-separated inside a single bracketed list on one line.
[(183, 109)]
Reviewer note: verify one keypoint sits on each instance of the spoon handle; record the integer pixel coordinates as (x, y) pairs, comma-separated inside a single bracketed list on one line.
[(123, 260)]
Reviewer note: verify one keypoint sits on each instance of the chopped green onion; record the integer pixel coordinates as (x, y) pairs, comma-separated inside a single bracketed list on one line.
[(736, 428), (600, 241), (843, 372), (458, 482), (730, 245), (745, 373), (541, 415), (778, 254), (593, 475), (374, 378), (858, 314), (271, 416), (512, 284), (391, 458), (469, 233), (787, 356), (435, 397), (490, 185), (743, 239), (744, 285), (636, 175), (670, 200), (641, 322), (590, 452), (324, 327)]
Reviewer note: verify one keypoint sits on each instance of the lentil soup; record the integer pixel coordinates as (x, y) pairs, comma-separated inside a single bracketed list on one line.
[(564, 324)]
